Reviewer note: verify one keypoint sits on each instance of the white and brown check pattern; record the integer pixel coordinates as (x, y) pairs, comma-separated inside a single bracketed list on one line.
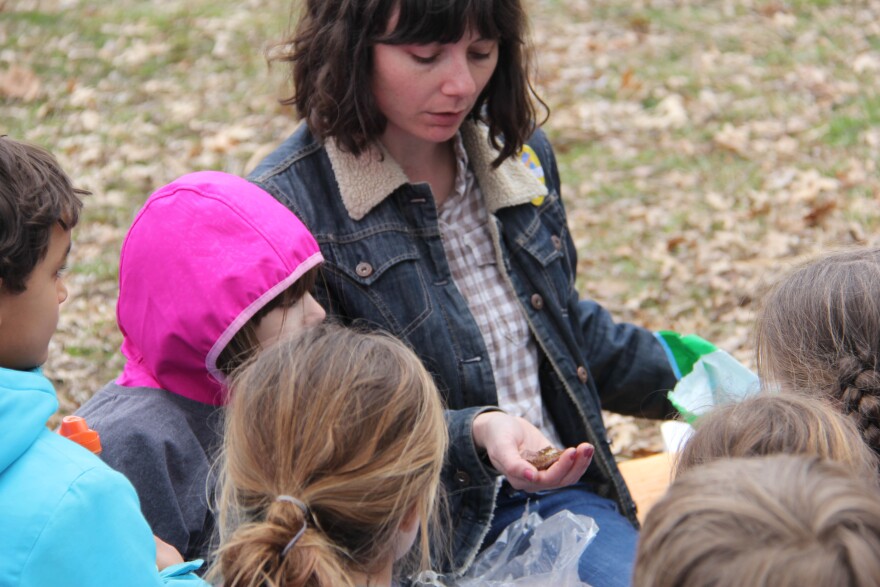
[(513, 351)]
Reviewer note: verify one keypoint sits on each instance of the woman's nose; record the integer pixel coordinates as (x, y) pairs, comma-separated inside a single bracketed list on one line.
[(459, 80)]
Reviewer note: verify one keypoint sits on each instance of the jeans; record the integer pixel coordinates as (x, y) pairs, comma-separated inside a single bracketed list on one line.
[(608, 560)]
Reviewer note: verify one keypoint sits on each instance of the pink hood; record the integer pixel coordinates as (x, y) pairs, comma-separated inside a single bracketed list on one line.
[(203, 255)]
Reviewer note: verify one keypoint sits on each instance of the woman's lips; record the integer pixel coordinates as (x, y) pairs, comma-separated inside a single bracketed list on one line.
[(446, 118)]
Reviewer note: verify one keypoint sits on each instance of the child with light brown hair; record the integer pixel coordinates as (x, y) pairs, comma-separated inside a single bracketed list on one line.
[(775, 521), (331, 462), (818, 332), (771, 423)]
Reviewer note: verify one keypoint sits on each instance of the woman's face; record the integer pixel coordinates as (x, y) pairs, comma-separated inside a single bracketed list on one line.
[(425, 91)]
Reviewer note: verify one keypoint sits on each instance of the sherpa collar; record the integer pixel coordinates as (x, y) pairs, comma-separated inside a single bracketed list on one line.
[(364, 181)]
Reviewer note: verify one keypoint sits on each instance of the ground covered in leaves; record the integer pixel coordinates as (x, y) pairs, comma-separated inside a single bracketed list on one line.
[(704, 146)]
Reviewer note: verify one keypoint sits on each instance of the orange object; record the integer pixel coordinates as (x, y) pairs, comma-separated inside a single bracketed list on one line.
[(648, 478), (76, 429)]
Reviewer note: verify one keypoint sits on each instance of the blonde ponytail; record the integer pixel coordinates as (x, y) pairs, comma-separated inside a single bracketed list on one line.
[(332, 440)]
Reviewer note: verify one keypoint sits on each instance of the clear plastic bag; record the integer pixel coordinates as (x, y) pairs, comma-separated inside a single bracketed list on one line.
[(529, 552), (717, 379)]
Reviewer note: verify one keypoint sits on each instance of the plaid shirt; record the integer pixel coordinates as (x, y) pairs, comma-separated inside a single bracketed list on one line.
[(513, 352)]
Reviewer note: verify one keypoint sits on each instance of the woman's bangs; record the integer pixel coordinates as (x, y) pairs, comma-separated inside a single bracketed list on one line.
[(442, 21)]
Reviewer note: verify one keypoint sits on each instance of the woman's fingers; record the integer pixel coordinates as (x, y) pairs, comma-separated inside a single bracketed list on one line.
[(567, 470), (581, 459), (506, 438)]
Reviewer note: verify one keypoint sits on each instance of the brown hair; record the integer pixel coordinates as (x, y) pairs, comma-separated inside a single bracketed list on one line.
[(245, 343), (348, 423), (331, 59), (776, 521), (769, 424), (35, 195), (818, 332)]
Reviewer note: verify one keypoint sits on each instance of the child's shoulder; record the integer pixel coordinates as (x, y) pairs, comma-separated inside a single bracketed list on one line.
[(138, 414), (54, 474), (145, 431), (67, 516), (53, 464)]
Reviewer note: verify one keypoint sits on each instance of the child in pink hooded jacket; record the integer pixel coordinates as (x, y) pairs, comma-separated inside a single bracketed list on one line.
[(212, 269)]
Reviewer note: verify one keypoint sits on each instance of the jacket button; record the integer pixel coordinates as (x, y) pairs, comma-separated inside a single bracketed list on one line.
[(582, 374), (537, 301), (557, 242), (462, 478), (364, 269)]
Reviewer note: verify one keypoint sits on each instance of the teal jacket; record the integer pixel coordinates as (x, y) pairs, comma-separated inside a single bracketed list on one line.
[(66, 517)]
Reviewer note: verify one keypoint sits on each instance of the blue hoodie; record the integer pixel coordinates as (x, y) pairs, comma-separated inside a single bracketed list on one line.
[(66, 517)]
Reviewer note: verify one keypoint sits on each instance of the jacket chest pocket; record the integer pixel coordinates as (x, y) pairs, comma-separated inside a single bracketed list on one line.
[(545, 245), (379, 279)]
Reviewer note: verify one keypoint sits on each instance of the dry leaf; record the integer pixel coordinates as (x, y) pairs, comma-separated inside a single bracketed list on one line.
[(818, 212), (19, 83)]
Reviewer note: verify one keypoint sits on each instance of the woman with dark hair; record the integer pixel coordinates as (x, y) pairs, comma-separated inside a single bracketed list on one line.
[(436, 205)]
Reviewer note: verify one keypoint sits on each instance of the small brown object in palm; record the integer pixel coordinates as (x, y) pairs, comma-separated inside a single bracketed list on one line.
[(543, 459)]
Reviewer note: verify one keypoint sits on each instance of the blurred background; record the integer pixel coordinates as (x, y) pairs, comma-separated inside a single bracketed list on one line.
[(704, 146)]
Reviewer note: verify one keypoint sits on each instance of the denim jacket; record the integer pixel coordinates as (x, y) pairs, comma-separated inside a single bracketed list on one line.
[(385, 267)]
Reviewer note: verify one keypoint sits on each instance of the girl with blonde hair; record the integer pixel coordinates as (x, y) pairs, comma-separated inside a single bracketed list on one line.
[(331, 462), (772, 423)]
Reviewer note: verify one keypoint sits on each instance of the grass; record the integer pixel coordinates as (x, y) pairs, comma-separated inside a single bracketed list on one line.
[(846, 126)]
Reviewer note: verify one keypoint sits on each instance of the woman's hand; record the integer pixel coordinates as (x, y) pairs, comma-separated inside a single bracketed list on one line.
[(504, 437), (166, 555)]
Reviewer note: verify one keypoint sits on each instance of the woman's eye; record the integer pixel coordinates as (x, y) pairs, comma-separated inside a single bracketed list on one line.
[(480, 55), (425, 59)]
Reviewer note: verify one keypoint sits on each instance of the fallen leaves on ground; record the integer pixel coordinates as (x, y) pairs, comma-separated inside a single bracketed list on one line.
[(703, 147)]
